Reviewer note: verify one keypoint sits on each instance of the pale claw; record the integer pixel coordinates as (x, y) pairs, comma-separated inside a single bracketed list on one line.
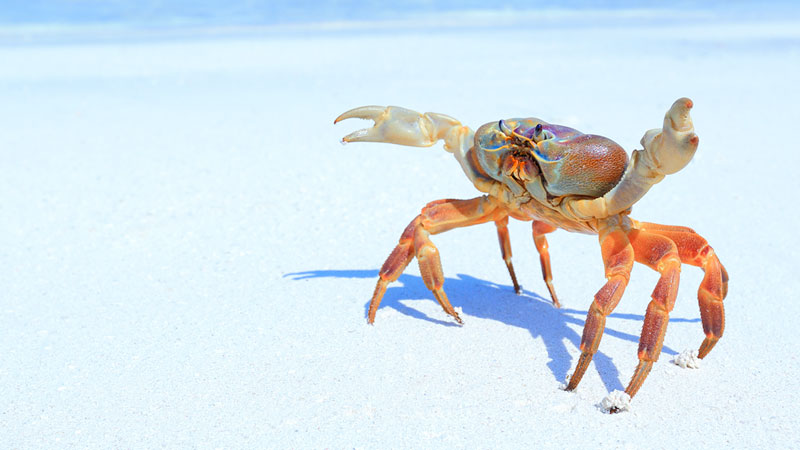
[(371, 112), (397, 125), (671, 148), (666, 151)]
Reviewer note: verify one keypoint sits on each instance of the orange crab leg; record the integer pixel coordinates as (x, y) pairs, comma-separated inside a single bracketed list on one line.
[(394, 266), (539, 230), (694, 250), (505, 249), (660, 254), (436, 217), (618, 258)]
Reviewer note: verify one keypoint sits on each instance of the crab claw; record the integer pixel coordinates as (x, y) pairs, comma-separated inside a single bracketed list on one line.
[(371, 112), (671, 148), (397, 125)]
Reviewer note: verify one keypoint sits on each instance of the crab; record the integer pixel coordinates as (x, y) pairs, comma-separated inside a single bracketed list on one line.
[(557, 177)]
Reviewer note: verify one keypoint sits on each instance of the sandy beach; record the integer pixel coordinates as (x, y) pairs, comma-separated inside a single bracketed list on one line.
[(188, 251)]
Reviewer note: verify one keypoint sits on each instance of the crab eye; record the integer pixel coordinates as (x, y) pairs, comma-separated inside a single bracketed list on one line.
[(538, 130), (493, 141), (504, 128)]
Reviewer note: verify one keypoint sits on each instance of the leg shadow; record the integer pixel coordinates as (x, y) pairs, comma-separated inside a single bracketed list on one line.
[(488, 300)]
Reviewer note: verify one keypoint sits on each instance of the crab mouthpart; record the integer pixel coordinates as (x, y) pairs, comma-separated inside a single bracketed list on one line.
[(520, 166)]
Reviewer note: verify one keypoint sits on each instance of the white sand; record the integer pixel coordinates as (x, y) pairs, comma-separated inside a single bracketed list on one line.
[(688, 359), (188, 251), (618, 401)]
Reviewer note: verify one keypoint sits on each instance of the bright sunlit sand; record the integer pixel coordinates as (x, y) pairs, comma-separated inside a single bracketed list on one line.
[(188, 252)]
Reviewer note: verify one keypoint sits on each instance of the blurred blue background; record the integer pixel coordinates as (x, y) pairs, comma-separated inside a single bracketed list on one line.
[(198, 13)]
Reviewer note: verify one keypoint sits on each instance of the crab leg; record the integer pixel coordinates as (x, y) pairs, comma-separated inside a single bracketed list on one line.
[(660, 254), (436, 217), (539, 230), (694, 250), (505, 249), (618, 258), (394, 266)]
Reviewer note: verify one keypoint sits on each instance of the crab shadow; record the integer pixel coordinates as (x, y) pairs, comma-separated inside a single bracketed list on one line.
[(484, 299)]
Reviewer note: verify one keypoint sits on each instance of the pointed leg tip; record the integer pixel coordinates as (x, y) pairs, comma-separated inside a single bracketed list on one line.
[(553, 295), (571, 383), (570, 387), (556, 303), (706, 347)]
